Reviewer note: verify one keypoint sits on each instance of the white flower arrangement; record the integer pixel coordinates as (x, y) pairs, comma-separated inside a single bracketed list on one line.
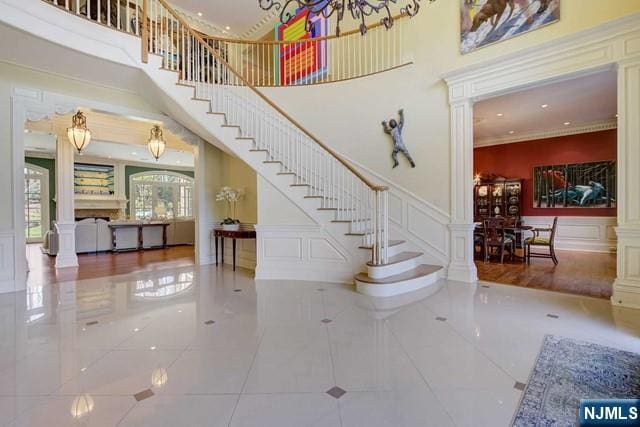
[(232, 196)]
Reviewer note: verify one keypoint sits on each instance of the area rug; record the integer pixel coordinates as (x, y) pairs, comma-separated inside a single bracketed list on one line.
[(568, 370)]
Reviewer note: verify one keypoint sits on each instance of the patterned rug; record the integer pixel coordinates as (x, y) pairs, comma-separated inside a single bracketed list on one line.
[(568, 370)]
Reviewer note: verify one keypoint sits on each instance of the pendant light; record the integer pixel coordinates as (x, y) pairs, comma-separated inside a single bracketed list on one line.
[(156, 143), (78, 133)]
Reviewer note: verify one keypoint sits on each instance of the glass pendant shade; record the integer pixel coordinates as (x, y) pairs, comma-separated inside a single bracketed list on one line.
[(156, 143), (81, 406), (78, 133)]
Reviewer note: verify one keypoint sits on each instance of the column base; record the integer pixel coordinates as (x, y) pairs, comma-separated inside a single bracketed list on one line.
[(67, 245), (462, 268), (626, 295)]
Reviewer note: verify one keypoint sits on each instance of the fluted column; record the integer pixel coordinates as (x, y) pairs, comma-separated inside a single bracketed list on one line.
[(462, 267), (626, 289), (65, 209)]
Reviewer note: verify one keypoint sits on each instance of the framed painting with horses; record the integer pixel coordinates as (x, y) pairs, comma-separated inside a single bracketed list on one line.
[(577, 185), (483, 22)]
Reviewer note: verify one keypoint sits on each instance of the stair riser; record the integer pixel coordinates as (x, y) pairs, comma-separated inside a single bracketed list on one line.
[(382, 271), (397, 288)]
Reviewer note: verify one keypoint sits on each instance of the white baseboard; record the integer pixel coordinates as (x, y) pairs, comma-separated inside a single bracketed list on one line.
[(583, 234)]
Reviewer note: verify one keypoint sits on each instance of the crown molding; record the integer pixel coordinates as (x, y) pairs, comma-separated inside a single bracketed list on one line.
[(553, 133)]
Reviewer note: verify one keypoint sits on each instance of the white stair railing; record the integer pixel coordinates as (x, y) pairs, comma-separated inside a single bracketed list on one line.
[(203, 63)]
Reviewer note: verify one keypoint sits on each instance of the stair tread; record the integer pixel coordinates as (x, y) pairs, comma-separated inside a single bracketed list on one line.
[(391, 243), (420, 271), (402, 256)]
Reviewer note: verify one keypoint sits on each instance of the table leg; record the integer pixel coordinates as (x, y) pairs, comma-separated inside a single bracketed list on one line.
[(222, 250), (234, 254), (216, 239)]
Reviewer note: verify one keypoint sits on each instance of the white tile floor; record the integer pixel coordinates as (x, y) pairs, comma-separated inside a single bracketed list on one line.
[(449, 358)]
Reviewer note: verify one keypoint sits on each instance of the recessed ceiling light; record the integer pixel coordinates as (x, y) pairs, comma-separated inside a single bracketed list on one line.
[(134, 154), (227, 28), (511, 132), (199, 13), (567, 123), (177, 161), (544, 106), (26, 131), (499, 114)]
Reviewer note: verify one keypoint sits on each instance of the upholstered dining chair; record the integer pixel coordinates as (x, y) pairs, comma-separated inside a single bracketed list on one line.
[(495, 237), (540, 241)]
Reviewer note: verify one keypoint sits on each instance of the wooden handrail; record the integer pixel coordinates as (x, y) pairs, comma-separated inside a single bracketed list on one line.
[(212, 51), (315, 39)]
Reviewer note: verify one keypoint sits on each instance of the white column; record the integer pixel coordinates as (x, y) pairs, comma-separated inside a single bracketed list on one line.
[(461, 267), (626, 289), (65, 220)]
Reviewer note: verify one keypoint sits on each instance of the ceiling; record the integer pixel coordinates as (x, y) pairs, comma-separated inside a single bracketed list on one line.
[(241, 16), (570, 105), (113, 137)]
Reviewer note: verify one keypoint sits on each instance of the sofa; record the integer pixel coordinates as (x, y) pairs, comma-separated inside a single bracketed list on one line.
[(94, 235)]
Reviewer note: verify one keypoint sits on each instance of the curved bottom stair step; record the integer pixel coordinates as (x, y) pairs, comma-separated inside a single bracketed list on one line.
[(411, 280)]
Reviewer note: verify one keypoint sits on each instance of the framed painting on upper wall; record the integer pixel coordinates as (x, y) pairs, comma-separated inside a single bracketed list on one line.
[(484, 22), (575, 185)]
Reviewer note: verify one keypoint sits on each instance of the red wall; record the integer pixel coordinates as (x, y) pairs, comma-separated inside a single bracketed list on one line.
[(518, 159)]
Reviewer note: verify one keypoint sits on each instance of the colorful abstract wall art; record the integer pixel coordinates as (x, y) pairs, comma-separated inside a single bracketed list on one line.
[(298, 63)]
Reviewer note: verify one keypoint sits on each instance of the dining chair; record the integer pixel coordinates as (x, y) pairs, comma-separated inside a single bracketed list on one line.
[(495, 237), (537, 240)]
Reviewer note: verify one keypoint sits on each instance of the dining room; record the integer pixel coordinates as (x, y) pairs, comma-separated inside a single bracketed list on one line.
[(544, 194)]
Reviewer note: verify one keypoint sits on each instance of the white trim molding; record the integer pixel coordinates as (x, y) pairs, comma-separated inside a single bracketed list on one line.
[(614, 45), (302, 252), (580, 233), (553, 133)]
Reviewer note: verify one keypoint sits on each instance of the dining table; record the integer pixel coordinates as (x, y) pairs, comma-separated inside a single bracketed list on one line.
[(517, 230)]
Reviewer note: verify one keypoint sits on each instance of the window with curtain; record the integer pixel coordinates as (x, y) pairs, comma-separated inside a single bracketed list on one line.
[(161, 195)]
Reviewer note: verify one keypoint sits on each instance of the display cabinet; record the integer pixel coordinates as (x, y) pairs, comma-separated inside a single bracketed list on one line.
[(501, 197)]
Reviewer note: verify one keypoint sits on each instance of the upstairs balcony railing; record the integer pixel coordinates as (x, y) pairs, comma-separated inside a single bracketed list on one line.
[(204, 63), (264, 63)]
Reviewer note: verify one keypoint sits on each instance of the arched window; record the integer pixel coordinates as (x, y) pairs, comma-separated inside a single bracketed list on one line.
[(161, 195), (36, 202)]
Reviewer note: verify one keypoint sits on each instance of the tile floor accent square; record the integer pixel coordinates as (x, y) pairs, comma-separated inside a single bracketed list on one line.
[(209, 322), (486, 286), (519, 386), (442, 319), (237, 290), (94, 322), (321, 289), (326, 320), (336, 392), (144, 394), (553, 316)]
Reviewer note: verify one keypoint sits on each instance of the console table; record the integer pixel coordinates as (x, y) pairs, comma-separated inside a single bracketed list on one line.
[(140, 226), (242, 233)]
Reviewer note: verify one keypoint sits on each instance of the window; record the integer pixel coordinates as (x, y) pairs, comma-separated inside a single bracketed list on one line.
[(161, 195), (36, 202)]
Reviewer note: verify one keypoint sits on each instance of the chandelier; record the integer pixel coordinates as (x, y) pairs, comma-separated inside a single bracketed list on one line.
[(359, 10), (78, 133), (156, 144)]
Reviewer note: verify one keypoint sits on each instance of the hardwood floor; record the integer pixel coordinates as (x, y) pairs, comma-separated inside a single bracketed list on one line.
[(581, 273), (43, 271)]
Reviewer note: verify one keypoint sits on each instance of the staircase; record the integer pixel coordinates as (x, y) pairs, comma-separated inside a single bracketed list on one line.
[(198, 81)]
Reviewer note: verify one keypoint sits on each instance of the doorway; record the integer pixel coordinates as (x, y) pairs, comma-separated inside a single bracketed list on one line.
[(543, 153)]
